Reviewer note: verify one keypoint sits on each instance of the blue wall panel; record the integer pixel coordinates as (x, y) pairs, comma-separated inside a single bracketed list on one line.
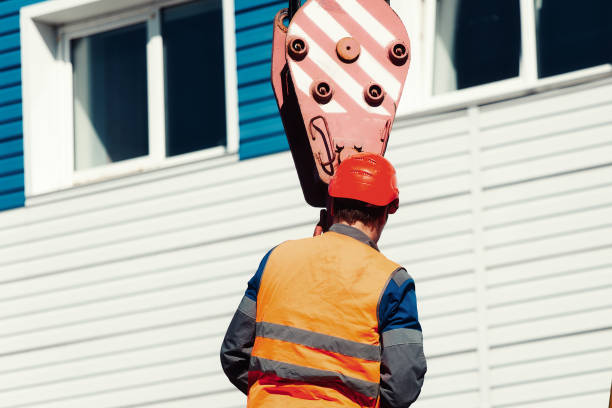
[(11, 126), (261, 130)]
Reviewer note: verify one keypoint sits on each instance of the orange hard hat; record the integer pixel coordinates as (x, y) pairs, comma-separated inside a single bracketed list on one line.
[(366, 177)]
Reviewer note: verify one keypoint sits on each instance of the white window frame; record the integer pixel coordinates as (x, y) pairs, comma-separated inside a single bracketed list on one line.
[(47, 29), (418, 98)]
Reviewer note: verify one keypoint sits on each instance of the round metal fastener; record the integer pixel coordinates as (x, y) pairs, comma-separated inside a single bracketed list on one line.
[(281, 17), (348, 49), (398, 52), (297, 48), (374, 94), (322, 92)]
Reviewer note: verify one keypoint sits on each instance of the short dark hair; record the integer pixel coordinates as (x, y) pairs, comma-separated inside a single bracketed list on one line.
[(351, 211)]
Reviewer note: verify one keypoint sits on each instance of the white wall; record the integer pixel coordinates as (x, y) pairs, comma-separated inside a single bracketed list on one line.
[(118, 294)]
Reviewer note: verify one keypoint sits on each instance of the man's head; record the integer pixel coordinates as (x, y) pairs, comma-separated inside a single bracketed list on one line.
[(363, 193)]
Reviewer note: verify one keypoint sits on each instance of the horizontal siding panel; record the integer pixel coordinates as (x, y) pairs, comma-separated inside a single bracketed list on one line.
[(567, 399), (549, 349), (150, 340), (576, 240), (108, 325), (452, 364), (573, 202), (10, 77), (9, 42), (253, 74), (467, 399), (132, 224), (258, 54), (571, 263), (11, 183), (11, 165), (10, 112), (260, 15), (567, 302), (253, 93), (540, 132), (269, 145), (220, 239), (13, 6), (254, 111), (10, 94), (562, 366), (255, 36), (10, 130), (194, 349), (455, 342), (552, 326), (522, 394), (10, 60), (450, 263), (12, 200), (449, 385), (580, 282), (261, 128), (9, 24), (549, 227), (545, 105)]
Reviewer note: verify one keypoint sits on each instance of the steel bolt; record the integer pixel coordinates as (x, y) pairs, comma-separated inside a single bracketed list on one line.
[(322, 92), (398, 52), (374, 94), (297, 48)]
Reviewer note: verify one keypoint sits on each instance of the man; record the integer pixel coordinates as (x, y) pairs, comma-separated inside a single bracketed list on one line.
[(329, 321)]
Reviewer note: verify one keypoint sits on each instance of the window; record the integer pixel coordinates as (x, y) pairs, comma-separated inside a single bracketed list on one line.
[(478, 51), (477, 42), (572, 35), (110, 96), (195, 91), (121, 87)]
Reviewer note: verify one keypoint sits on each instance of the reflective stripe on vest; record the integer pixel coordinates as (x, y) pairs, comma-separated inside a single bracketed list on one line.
[(317, 326)]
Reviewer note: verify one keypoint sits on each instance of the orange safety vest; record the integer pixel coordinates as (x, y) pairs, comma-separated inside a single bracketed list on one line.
[(316, 339)]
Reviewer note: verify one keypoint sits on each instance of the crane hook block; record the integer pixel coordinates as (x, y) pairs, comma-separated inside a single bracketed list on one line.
[(338, 70)]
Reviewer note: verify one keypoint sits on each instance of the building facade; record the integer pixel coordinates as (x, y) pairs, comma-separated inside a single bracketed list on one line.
[(144, 172)]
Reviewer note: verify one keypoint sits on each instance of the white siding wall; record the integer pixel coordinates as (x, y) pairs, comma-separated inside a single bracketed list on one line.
[(118, 294)]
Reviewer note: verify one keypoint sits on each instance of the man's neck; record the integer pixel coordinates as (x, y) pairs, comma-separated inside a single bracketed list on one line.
[(372, 233)]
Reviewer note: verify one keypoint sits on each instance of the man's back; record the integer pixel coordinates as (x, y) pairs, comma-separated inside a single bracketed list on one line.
[(317, 322)]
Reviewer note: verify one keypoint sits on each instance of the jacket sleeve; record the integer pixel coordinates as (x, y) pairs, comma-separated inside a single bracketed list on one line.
[(240, 336), (403, 365)]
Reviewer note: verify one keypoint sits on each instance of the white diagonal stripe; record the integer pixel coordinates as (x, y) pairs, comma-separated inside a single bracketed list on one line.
[(340, 76), (378, 72), (369, 22), (335, 31), (303, 81)]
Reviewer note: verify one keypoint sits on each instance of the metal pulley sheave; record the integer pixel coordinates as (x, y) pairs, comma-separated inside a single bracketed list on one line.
[(338, 71)]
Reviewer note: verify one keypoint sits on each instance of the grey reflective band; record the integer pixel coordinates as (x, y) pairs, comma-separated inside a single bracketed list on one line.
[(318, 340), (312, 375), (400, 276), (401, 336), (248, 306)]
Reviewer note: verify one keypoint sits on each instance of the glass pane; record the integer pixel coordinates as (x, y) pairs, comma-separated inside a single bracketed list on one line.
[(573, 35), (477, 41), (195, 84), (110, 96)]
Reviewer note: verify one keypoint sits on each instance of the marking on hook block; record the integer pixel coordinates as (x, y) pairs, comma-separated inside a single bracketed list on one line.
[(303, 82), (335, 31), (326, 63), (369, 22)]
